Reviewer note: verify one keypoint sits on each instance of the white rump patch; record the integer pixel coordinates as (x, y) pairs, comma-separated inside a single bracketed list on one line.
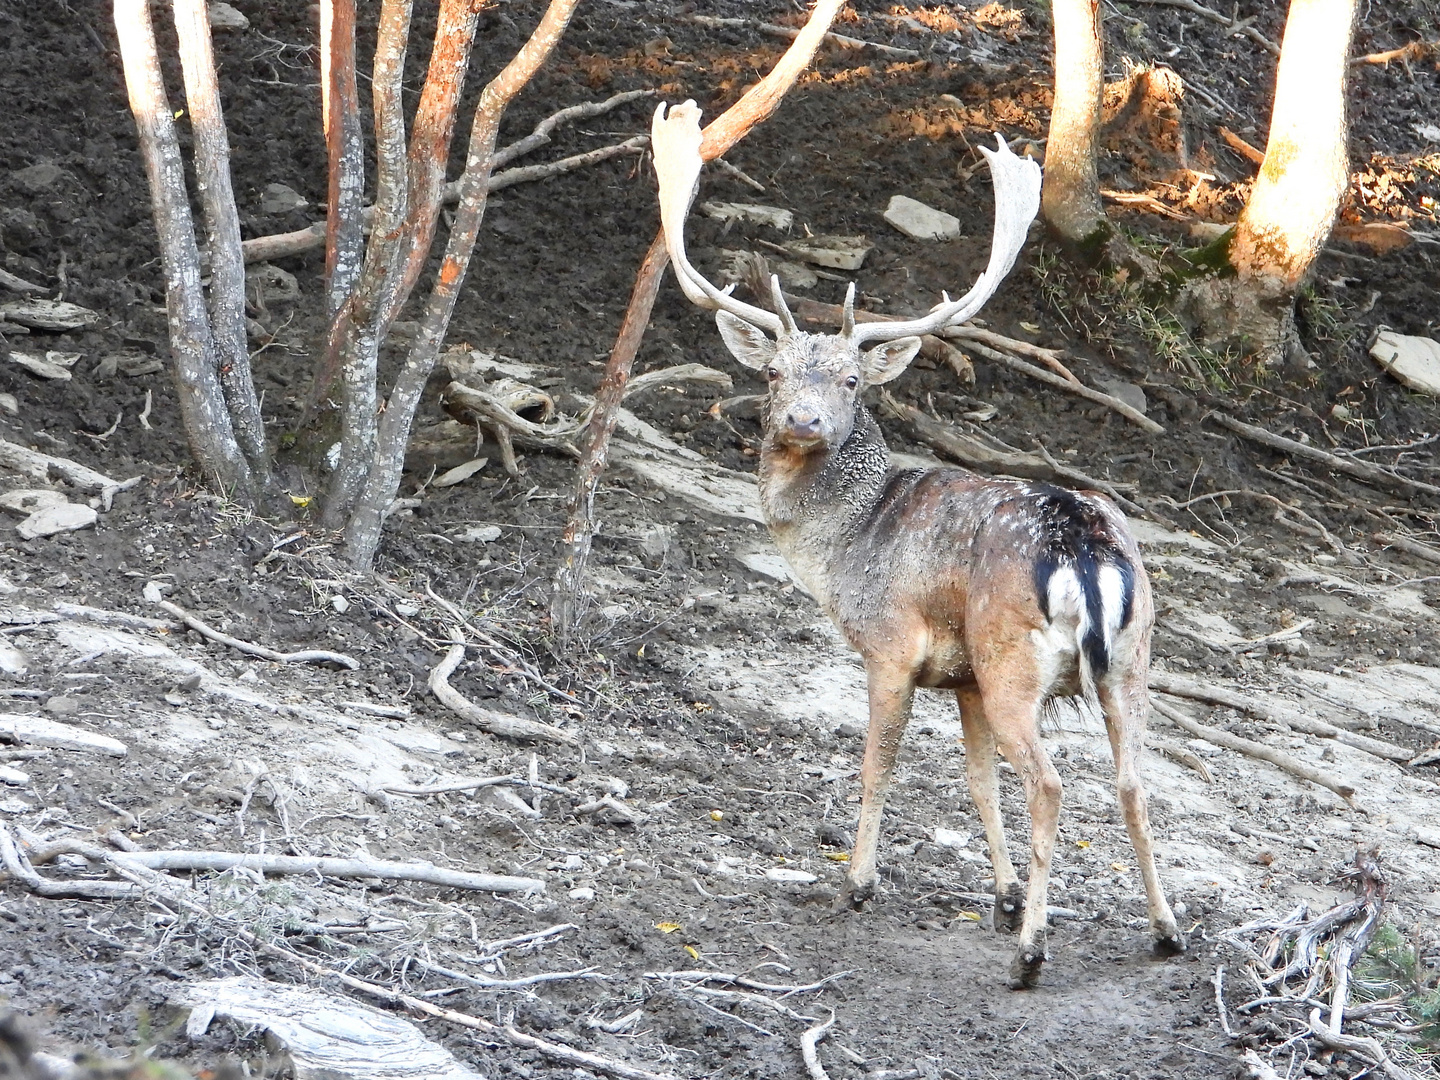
[(1112, 602)]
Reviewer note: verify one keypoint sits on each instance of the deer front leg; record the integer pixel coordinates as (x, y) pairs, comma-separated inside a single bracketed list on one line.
[(891, 690)]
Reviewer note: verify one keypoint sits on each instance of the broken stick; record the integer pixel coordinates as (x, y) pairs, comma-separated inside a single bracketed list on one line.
[(496, 723), (1249, 748), (304, 656)]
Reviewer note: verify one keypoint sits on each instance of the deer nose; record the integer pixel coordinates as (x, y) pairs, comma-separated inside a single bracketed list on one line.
[(803, 424)]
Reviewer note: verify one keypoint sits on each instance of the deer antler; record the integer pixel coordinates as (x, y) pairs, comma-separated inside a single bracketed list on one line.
[(1016, 181), (675, 142)]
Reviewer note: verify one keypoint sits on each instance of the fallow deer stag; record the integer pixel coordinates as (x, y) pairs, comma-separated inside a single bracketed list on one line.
[(1008, 593)]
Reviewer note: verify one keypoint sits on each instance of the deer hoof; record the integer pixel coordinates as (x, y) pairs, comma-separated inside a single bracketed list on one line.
[(854, 895), (1010, 908), (1025, 968), (1169, 942)]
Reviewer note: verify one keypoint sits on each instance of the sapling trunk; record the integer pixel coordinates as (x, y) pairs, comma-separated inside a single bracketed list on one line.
[(345, 145)]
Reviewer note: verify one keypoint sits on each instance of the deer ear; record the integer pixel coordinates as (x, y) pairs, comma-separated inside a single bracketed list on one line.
[(888, 359), (746, 342)]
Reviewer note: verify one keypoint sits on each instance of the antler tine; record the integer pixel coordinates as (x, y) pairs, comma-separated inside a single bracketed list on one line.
[(847, 315), (781, 308), (675, 144), (1016, 181)]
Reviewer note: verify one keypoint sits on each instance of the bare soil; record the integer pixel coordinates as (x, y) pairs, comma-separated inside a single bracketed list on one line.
[(709, 692)]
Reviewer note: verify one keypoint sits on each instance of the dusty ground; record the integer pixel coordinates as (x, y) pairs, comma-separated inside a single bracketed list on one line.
[(711, 691)]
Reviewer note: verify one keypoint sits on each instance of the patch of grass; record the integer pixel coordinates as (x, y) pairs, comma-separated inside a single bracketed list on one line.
[(1391, 967)]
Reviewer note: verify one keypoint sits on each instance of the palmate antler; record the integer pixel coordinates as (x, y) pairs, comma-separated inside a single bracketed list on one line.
[(675, 142)]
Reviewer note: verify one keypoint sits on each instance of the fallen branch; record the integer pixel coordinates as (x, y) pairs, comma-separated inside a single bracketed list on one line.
[(105, 617), (1180, 755), (1410, 547), (745, 981), (1278, 758), (540, 136), (19, 284), (789, 33), (1315, 526), (1349, 466), (1235, 26), (808, 1042), (1186, 687), (1368, 1050), (496, 723), (483, 982), (283, 245), (41, 466), (974, 454), (1414, 50), (220, 861), (17, 866), (304, 656), (475, 784), (1241, 147)]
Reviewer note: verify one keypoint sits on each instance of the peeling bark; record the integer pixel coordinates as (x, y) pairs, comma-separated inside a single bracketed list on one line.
[(222, 233), (208, 429)]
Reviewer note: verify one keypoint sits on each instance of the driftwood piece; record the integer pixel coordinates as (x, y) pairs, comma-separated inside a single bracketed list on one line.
[(1360, 470), (42, 731), (974, 454), (304, 656), (1186, 687), (1249, 748), (496, 723)]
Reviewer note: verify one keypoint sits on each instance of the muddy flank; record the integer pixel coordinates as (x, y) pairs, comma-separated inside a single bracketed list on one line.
[(710, 700)]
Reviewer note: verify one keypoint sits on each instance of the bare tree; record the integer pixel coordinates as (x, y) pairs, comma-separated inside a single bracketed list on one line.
[(1296, 197), (757, 104), (211, 381), (1070, 197)]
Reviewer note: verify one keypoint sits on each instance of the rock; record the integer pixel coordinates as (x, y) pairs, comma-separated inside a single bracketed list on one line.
[(950, 838), (1414, 361), (46, 367), (582, 895), (38, 179), (1428, 132), (836, 252), (225, 18), (921, 222), (1207, 232), (480, 534), (10, 404), (281, 199), (786, 875), (65, 517), (772, 216), (41, 731), (339, 604), (26, 501), (12, 660), (1127, 392), (276, 286), (460, 472), (795, 275), (13, 777), (48, 314)]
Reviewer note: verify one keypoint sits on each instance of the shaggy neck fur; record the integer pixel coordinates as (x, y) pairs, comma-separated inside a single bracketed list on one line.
[(814, 500)]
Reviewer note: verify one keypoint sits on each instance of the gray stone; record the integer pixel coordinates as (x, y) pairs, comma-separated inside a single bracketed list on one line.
[(281, 199), (1127, 392), (26, 501), (67, 517), (38, 178), (921, 222), (223, 18), (1414, 361), (836, 252), (773, 216)]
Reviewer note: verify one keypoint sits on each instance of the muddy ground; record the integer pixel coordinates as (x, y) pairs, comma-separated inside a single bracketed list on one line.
[(709, 694)]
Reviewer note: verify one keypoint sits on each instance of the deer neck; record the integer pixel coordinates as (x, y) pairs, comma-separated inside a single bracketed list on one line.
[(812, 501)]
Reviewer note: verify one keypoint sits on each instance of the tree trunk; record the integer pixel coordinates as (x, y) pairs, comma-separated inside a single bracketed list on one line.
[(345, 145), (1296, 197), (222, 232), (362, 531), (1305, 173), (359, 327), (202, 402), (1070, 198)]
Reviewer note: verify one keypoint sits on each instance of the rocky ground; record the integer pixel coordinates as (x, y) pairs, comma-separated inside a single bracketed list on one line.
[(710, 700)]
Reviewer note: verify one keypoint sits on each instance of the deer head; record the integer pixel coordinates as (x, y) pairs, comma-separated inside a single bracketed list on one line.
[(815, 378)]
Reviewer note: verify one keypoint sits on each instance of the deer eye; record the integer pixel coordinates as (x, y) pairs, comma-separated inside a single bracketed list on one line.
[(772, 373), (852, 382)]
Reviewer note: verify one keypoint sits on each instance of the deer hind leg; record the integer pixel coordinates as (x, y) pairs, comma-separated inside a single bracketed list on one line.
[(985, 791), (891, 689), (1124, 703), (1013, 710)]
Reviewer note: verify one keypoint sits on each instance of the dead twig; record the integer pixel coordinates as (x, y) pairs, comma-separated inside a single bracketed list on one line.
[(1241, 147), (789, 33), (496, 723), (304, 656), (1360, 470), (1235, 26), (1249, 748), (808, 1051), (1180, 755), (474, 784), (1212, 693)]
